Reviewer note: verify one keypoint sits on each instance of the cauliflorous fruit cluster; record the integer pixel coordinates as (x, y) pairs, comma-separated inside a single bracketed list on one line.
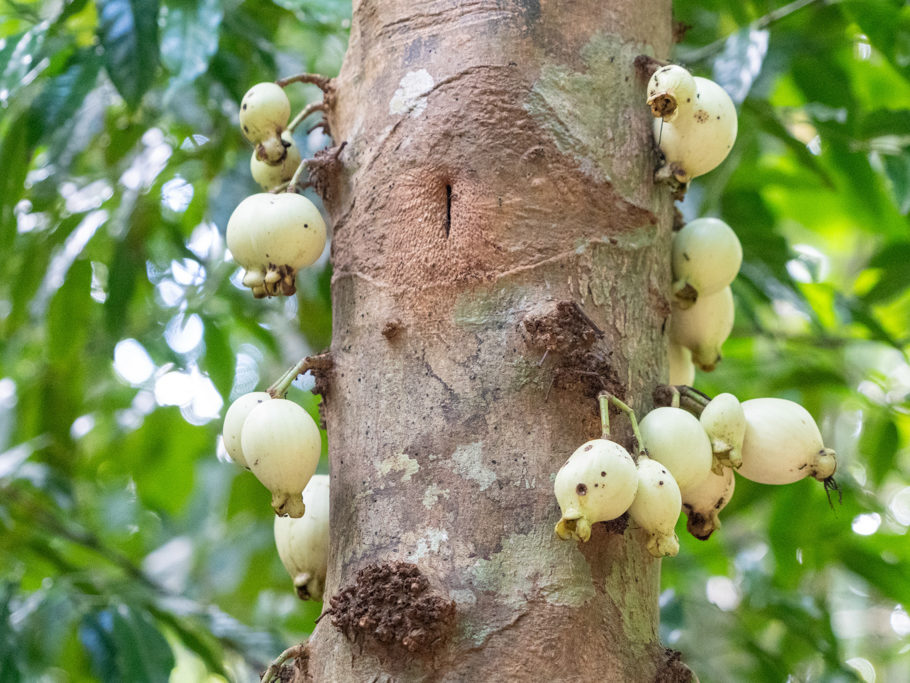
[(687, 463), (275, 233)]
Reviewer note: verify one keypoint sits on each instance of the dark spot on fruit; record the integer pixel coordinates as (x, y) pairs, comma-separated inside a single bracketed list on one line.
[(244, 106), (660, 483), (596, 485), (603, 474), (306, 225), (581, 489), (686, 256), (246, 130), (688, 99), (588, 448), (663, 471), (718, 118)]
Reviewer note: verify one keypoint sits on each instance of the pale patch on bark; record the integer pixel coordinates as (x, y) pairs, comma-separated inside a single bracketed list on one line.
[(533, 565), (469, 464), (577, 109), (432, 494), (410, 97), (400, 462), (430, 542)]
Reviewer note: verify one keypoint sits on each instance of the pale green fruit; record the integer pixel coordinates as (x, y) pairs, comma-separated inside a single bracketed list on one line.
[(696, 121), (725, 424), (281, 443), (682, 369), (706, 257), (677, 440), (704, 327), (233, 423), (782, 443), (274, 235), (656, 507), (264, 112), (269, 176), (702, 503), (303, 543), (596, 484)]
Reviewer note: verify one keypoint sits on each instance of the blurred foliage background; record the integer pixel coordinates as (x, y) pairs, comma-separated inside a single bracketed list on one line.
[(132, 552)]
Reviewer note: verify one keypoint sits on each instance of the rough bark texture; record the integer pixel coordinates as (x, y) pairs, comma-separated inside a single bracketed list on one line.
[(499, 161)]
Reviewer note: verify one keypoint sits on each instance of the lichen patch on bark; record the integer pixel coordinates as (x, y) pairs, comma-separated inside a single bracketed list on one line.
[(468, 462), (400, 462)]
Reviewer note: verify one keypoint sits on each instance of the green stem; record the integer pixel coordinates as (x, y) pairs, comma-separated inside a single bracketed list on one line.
[(604, 399), (633, 421), (280, 388), (272, 673), (306, 111), (292, 184)]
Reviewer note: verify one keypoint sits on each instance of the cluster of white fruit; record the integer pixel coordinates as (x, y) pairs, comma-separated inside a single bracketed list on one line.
[(695, 126), (279, 442), (686, 464), (706, 256), (274, 233)]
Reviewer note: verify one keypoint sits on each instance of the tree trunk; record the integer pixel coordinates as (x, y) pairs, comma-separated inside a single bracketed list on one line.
[(501, 253)]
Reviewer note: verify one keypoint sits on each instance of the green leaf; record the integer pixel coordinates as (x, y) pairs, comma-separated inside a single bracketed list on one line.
[(879, 444), (95, 635), (219, 359), (189, 38), (69, 313), (62, 96), (144, 653), (128, 31), (15, 156)]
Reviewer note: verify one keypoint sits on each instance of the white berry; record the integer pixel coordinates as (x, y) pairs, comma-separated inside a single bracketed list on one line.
[(676, 439), (656, 507), (725, 424), (281, 443), (303, 543), (782, 443), (274, 235), (233, 423), (696, 121), (596, 484), (704, 327), (703, 502), (706, 257), (269, 176), (264, 112)]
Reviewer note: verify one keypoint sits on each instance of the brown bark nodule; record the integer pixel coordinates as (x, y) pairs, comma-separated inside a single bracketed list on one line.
[(497, 183)]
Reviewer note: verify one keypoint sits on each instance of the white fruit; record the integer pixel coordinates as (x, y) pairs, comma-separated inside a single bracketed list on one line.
[(269, 176), (596, 484), (706, 258), (233, 422), (264, 112), (682, 369), (704, 327), (303, 543), (656, 507), (702, 503), (725, 424), (274, 235), (782, 443), (282, 444), (695, 124), (677, 440)]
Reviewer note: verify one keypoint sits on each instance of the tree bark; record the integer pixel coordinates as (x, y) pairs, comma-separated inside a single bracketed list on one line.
[(501, 253)]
